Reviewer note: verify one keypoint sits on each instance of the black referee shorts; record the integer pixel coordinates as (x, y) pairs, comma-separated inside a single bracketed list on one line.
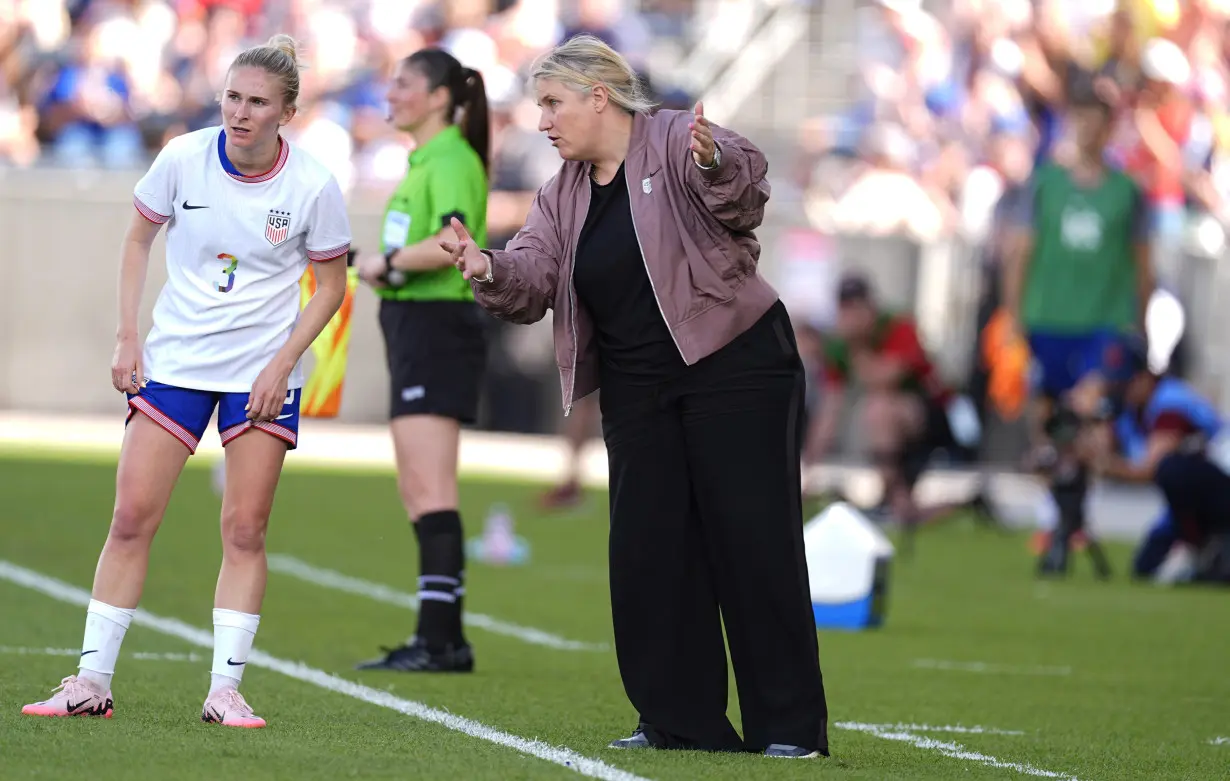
[(436, 353)]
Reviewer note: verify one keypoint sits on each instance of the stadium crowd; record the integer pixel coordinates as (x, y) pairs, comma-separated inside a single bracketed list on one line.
[(951, 108), (90, 83)]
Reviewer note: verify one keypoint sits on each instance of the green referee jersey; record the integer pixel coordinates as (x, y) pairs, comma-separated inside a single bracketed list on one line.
[(446, 179)]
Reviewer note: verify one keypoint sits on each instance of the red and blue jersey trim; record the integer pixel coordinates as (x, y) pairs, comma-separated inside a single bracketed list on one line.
[(320, 256), (148, 213), (233, 172)]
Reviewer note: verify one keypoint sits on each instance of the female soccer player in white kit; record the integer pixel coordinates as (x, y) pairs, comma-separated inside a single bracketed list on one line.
[(245, 212)]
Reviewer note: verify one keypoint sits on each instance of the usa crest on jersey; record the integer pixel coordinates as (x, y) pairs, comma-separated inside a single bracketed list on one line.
[(277, 226)]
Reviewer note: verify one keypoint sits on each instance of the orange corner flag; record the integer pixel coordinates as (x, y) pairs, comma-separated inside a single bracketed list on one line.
[(322, 395)]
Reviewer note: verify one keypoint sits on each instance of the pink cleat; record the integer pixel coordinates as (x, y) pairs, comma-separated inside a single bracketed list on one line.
[(73, 697), (228, 708)]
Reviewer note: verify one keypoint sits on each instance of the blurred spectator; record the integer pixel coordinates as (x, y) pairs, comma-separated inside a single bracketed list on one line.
[(887, 198), (938, 93), (1162, 118), (87, 112), (86, 83)]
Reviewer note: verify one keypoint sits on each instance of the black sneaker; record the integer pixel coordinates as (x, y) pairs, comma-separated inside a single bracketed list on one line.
[(637, 739), (418, 658), (649, 736), (783, 751)]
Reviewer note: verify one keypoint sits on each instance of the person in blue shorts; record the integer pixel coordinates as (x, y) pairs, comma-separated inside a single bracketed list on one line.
[(1077, 278), (246, 212)]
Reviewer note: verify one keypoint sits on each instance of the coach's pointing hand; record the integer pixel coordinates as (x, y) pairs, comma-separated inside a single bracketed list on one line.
[(703, 146), (465, 254)]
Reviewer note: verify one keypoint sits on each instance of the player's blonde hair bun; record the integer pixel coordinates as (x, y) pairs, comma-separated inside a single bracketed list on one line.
[(278, 57), (287, 45)]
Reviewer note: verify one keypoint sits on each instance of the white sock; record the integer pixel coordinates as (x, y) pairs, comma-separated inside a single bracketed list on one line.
[(105, 626), (233, 636)]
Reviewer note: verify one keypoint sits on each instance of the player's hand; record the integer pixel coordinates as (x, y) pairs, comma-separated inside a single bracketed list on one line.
[(371, 269), (126, 371), (268, 393), (703, 145), (465, 253)]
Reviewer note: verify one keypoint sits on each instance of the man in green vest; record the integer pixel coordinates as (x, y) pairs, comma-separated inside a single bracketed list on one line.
[(1077, 280)]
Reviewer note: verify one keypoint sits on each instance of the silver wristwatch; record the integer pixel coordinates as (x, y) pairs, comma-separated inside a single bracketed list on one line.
[(490, 275), (717, 159)]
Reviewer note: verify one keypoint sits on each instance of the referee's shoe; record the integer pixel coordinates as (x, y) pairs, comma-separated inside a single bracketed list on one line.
[(418, 658)]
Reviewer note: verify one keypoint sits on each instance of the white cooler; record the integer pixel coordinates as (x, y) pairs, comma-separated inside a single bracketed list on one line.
[(847, 565)]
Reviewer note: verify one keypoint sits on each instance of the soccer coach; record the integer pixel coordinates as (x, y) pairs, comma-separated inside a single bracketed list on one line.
[(643, 247)]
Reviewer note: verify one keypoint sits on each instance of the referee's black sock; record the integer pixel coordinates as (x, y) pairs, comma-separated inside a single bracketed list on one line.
[(441, 561)]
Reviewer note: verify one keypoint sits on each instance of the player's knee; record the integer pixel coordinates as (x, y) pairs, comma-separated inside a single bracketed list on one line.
[(132, 523), (243, 532)]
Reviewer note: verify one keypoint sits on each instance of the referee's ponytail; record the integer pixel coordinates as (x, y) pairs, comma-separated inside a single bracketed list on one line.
[(475, 119), (467, 93)]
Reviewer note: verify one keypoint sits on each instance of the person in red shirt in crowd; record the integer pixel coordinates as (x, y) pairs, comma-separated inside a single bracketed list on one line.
[(906, 408), (1160, 120)]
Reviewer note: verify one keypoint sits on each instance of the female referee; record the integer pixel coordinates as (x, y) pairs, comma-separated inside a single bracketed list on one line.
[(245, 212), (643, 246), (433, 332)]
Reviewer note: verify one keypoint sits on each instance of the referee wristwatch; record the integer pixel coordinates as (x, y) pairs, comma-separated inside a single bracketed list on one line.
[(394, 277)]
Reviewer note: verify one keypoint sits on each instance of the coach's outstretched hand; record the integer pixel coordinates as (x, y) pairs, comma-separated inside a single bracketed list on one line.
[(703, 147), (465, 253)]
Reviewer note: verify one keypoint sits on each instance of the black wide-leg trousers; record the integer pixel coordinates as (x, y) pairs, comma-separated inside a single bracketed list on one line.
[(706, 533)]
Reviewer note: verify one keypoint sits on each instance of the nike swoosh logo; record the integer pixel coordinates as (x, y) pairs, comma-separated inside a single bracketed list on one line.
[(186, 206), (71, 708), (83, 653), (234, 663), (290, 399)]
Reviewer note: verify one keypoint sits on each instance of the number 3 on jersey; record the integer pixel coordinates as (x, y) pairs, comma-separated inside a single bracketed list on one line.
[(229, 271)]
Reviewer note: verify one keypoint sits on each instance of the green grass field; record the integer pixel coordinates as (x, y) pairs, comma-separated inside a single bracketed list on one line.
[(1073, 679)]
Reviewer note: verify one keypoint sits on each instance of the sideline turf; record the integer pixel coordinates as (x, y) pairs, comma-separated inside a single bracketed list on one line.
[(1146, 692)]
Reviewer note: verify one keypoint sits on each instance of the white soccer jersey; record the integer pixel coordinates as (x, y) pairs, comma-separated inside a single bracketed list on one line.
[(237, 247)]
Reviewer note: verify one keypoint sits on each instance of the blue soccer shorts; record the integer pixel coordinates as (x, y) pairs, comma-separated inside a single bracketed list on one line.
[(185, 413), (1060, 362)]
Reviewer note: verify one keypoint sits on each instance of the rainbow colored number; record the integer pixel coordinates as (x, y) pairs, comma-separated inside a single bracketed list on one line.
[(229, 271)]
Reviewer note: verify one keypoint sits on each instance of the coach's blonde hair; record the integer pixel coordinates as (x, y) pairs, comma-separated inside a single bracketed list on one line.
[(585, 61), (278, 57)]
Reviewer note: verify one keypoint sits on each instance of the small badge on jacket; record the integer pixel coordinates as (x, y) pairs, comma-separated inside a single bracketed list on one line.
[(647, 185)]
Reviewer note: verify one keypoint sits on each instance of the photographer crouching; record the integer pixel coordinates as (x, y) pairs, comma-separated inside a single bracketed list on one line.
[(1140, 427)]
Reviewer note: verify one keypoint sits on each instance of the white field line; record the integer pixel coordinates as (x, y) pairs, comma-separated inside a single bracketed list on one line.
[(147, 656), (327, 578), (989, 668), (593, 768), (1219, 741), (950, 728), (954, 750)]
